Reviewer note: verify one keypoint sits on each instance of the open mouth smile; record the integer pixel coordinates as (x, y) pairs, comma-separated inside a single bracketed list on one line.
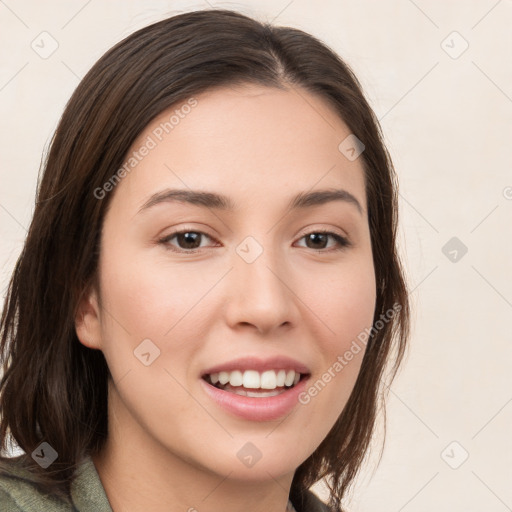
[(267, 393)]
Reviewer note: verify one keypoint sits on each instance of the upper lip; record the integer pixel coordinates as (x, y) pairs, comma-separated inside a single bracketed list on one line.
[(258, 364)]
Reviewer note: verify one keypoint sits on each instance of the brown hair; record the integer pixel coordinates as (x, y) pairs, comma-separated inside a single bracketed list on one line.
[(54, 389)]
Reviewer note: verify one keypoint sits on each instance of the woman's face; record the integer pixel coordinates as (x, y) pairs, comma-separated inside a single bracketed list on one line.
[(253, 286)]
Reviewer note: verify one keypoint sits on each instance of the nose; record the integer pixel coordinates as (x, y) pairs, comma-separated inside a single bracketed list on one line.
[(260, 293)]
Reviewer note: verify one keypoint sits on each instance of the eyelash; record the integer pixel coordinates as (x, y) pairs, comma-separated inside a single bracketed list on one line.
[(341, 241)]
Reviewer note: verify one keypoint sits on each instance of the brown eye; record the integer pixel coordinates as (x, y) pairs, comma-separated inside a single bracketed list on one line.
[(319, 239), (187, 241)]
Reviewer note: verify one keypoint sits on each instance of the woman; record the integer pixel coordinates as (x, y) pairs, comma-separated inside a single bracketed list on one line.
[(210, 291)]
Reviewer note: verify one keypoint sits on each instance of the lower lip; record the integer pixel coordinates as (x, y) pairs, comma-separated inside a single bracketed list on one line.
[(256, 409)]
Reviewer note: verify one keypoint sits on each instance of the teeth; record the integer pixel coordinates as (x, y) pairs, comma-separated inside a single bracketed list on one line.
[(223, 377), (290, 376), (268, 380), (251, 379), (257, 394), (236, 378)]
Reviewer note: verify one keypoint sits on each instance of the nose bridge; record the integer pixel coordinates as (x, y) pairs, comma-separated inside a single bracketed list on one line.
[(257, 263), (259, 295)]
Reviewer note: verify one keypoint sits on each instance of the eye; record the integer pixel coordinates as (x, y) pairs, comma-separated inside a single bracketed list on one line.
[(190, 241), (317, 240)]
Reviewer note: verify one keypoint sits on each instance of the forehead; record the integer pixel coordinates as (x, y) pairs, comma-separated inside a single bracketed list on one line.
[(254, 140)]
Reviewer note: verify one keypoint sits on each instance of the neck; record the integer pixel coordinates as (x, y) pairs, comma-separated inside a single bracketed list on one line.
[(152, 478)]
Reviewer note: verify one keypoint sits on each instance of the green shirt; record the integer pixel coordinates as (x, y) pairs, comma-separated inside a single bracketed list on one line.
[(19, 494)]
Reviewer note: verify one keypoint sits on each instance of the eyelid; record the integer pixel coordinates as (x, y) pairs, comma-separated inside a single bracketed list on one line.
[(342, 241), (331, 230), (165, 239)]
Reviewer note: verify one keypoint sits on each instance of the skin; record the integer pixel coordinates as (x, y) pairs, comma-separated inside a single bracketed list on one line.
[(170, 447)]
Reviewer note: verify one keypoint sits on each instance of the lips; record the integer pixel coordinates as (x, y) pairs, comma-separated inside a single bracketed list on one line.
[(254, 388), (255, 404)]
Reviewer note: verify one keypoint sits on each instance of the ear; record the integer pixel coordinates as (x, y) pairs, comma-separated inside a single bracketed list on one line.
[(88, 319)]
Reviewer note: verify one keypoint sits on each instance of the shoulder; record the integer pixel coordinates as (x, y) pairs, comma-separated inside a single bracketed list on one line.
[(7, 503), (19, 493), (313, 504)]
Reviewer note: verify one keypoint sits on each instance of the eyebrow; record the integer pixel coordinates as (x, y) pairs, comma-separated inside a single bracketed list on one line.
[(221, 202)]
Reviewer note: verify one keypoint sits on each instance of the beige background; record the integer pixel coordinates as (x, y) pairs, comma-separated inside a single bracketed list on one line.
[(447, 117)]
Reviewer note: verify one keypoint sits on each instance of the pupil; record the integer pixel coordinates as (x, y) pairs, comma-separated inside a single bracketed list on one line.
[(186, 238), (316, 236)]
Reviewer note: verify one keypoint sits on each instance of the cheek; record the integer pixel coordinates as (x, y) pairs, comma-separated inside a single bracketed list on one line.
[(147, 299), (346, 307), (345, 304)]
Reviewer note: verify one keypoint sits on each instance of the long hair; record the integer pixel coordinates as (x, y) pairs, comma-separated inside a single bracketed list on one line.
[(53, 388)]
